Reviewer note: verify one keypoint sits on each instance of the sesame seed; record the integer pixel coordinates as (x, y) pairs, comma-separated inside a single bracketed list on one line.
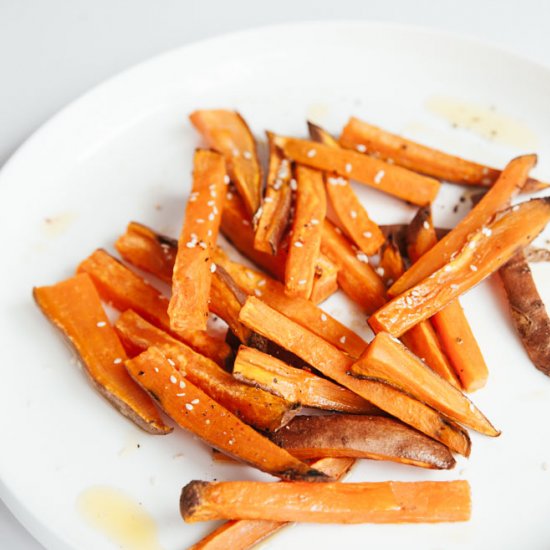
[(215, 210), (212, 186), (390, 161), (293, 184), (515, 208), (156, 369), (173, 379), (348, 167), (195, 401), (246, 222), (180, 394), (101, 324), (486, 231), (362, 257), (323, 317), (247, 155), (473, 267), (171, 362), (235, 152), (229, 195), (472, 245), (314, 221), (448, 268), (258, 292), (261, 282), (298, 244), (367, 234), (486, 181), (213, 194), (361, 148), (380, 271), (203, 245), (211, 216), (485, 171), (454, 287), (249, 274), (211, 203), (343, 340), (207, 421), (188, 406), (209, 233), (378, 177), (190, 244), (268, 199), (277, 185), (192, 198), (426, 224), (311, 153), (213, 268), (117, 361), (353, 214), (182, 384), (226, 179), (231, 441), (337, 181), (199, 220), (302, 281)]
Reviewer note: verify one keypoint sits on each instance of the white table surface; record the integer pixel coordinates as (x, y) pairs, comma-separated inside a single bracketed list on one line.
[(51, 52)]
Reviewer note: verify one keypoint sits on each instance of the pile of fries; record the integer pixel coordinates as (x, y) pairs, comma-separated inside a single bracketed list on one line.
[(398, 398)]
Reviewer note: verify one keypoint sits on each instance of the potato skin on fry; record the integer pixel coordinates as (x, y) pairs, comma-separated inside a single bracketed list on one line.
[(362, 436)]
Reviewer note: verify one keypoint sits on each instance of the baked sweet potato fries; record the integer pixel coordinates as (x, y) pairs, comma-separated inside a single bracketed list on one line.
[(398, 397)]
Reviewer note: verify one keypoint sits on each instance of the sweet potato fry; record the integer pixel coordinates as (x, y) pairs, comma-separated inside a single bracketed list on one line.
[(255, 407), (148, 250), (528, 311), (194, 410), (420, 339), (228, 133), (369, 139), (238, 229), (382, 502), (74, 307), (303, 312), (450, 323), (305, 238), (388, 360), (264, 320), (510, 182), (296, 385), (124, 289), (192, 276), (272, 217), (325, 282), (391, 179), (484, 253), (352, 216), (355, 276), (244, 534), (360, 436)]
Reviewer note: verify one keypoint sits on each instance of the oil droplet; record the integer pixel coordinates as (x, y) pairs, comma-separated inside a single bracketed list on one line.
[(119, 517), (483, 121), (55, 226)]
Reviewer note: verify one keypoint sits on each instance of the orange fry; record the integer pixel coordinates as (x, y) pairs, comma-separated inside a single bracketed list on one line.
[(391, 179), (188, 307)]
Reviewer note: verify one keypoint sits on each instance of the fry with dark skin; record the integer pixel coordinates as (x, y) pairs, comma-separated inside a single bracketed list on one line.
[(528, 310), (271, 219), (359, 436)]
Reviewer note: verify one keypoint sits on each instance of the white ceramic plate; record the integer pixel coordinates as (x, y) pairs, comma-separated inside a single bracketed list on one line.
[(123, 152)]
